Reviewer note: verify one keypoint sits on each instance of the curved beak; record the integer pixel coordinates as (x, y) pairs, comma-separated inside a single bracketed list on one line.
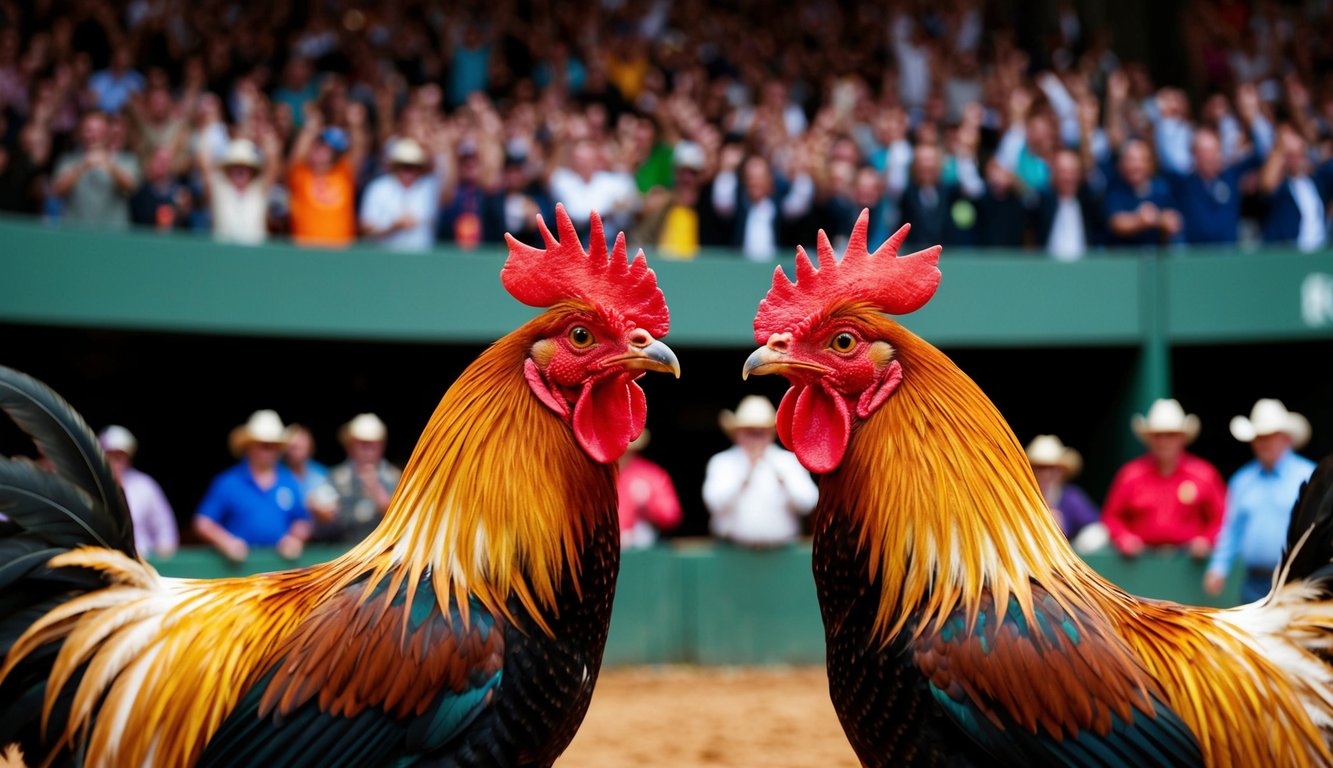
[(767, 360), (651, 356)]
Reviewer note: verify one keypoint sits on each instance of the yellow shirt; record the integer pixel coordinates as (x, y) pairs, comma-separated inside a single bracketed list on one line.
[(679, 238)]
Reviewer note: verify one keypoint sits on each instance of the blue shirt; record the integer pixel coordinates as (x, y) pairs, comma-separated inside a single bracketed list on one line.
[(1122, 198), (1211, 209), (1259, 506), (258, 517)]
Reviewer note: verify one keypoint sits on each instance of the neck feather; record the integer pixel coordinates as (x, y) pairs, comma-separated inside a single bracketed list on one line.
[(497, 497), (946, 502)]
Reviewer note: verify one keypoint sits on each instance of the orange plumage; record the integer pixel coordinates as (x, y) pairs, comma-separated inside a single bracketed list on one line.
[(960, 624), (469, 625)]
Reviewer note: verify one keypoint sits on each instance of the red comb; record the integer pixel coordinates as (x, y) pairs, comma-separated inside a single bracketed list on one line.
[(895, 285), (563, 270)]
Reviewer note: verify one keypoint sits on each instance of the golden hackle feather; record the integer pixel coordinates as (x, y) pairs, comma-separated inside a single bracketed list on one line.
[(493, 503), (948, 509)]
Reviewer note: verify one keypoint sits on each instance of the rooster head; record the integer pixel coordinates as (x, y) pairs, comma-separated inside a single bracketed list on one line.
[(826, 334), (602, 332)]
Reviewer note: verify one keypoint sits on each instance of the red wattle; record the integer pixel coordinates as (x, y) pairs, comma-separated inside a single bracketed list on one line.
[(609, 414), (817, 424)]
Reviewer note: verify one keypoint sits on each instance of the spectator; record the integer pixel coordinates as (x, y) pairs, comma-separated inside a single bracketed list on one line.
[(1210, 195), (515, 206), (1139, 208), (1002, 210), (1260, 497), (321, 178), (588, 184), (398, 209), (464, 194), (670, 218), (299, 457), (365, 480), (648, 502), (257, 502), (760, 204), (1055, 465), (114, 86), (95, 181), (237, 191), (161, 201), (1167, 497), (1297, 193), (927, 201), (756, 492), (155, 532), (1068, 216)]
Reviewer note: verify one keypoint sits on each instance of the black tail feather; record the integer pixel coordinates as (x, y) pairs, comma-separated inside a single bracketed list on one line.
[(77, 503), (90, 498), (1312, 560)]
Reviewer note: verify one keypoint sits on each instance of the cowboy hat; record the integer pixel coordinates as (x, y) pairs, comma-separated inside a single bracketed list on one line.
[(1048, 451), (754, 411), (118, 438), (262, 427), (407, 152), (1269, 417), (1166, 415), (365, 427), (242, 152)]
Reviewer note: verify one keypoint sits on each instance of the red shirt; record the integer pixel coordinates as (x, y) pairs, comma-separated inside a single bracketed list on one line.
[(1170, 510), (647, 494)]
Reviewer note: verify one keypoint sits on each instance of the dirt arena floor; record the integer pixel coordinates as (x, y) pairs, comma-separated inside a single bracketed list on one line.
[(710, 718)]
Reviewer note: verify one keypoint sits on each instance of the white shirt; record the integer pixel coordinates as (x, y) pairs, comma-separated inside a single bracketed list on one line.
[(239, 215), (1311, 234), (386, 200), (759, 506), (613, 195), (1068, 240)]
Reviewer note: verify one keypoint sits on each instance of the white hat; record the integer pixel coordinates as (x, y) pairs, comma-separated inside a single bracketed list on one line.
[(1048, 451), (242, 152), (1166, 415), (406, 152), (754, 411), (262, 427), (688, 155), (1269, 417), (366, 427), (118, 438)]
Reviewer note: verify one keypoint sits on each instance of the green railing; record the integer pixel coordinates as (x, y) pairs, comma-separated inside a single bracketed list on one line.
[(700, 603)]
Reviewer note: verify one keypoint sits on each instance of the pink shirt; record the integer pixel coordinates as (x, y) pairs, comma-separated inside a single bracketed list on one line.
[(647, 495), (1165, 511)]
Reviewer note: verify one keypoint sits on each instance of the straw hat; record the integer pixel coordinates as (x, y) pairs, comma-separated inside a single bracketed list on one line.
[(242, 152), (406, 152), (754, 411), (1166, 415), (1268, 417), (365, 427), (118, 438), (1048, 451), (262, 427)]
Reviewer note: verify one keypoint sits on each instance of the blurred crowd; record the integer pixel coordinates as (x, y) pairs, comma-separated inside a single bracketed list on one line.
[(686, 124)]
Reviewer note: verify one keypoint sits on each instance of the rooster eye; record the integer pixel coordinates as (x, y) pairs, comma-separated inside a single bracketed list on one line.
[(580, 337), (843, 342)]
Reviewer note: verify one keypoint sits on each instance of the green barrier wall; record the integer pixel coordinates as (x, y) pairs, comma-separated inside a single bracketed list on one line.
[(700, 603)]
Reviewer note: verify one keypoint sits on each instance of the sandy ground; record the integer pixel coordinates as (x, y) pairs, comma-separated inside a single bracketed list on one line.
[(714, 717)]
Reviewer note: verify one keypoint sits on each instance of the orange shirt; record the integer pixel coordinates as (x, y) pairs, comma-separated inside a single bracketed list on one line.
[(323, 206)]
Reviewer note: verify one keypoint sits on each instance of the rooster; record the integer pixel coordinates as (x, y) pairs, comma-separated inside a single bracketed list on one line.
[(466, 630), (960, 627)]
